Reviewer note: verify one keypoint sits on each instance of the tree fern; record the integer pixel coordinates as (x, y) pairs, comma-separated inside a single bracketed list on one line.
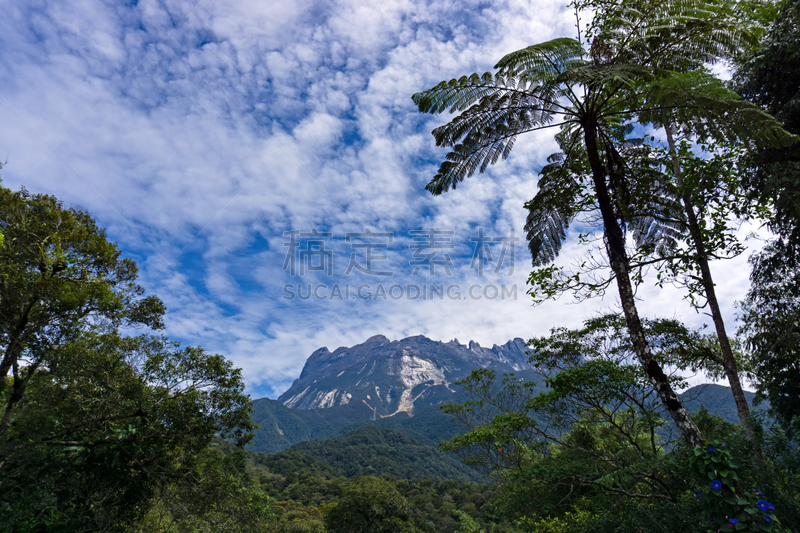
[(630, 73)]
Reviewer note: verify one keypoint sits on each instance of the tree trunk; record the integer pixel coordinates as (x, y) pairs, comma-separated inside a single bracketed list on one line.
[(730, 365), (14, 348), (17, 392), (620, 265)]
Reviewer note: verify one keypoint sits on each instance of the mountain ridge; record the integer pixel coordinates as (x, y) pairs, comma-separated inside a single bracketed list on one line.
[(391, 377)]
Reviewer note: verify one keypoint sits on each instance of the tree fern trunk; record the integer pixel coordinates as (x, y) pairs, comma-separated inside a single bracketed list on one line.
[(730, 365), (620, 265)]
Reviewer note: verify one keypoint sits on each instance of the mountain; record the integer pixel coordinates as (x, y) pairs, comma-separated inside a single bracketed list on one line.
[(718, 400), (392, 377), (281, 427), (391, 384)]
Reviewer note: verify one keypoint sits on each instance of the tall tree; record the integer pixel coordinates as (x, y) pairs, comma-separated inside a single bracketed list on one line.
[(94, 423), (770, 310), (687, 36), (594, 98), (59, 277), (768, 77)]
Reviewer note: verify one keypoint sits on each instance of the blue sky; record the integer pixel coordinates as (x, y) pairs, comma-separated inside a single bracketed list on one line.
[(199, 133)]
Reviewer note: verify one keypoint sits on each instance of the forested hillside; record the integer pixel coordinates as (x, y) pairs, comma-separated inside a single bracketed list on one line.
[(372, 451)]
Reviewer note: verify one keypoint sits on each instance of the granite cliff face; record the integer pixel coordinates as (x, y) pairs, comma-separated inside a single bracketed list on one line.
[(391, 377)]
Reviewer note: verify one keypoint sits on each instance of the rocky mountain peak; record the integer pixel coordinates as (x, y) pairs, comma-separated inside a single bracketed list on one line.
[(392, 377)]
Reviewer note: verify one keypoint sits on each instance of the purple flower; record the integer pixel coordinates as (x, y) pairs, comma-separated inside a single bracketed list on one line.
[(771, 507), (768, 519), (733, 521), (716, 485), (711, 449), (697, 494), (763, 505), (759, 492)]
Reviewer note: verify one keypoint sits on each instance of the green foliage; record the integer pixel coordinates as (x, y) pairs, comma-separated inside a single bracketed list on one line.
[(764, 76), (59, 277), (215, 494), (596, 433), (723, 499), (466, 524), (374, 451), (780, 477), (96, 425), (767, 77), (108, 424), (370, 505), (626, 516), (592, 451), (298, 518), (292, 479), (770, 323)]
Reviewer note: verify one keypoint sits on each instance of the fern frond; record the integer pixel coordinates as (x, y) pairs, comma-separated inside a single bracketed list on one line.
[(655, 237), (701, 105), (487, 130), (544, 61), (524, 109), (551, 211), (675, 34), (457, 94), (625, 74)]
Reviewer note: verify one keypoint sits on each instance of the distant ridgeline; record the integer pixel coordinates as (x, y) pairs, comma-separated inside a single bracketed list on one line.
[(400, 385)]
